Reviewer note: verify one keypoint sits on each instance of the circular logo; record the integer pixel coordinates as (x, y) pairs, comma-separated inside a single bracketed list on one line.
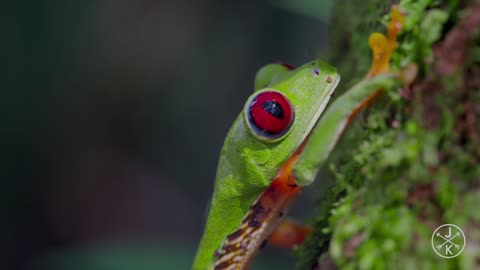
[(448, 241)]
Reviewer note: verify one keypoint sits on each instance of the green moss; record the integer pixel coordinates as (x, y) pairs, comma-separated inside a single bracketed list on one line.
[(397, 173)]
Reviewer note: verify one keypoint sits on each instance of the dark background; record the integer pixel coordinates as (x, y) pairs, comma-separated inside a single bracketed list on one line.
[(113, 115)]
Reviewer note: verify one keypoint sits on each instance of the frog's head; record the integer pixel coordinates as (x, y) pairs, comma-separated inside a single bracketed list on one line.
[(291, 99), (282, 113)]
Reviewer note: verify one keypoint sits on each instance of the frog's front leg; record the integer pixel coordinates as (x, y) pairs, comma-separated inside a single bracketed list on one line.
[(341, 113), (337, 118)]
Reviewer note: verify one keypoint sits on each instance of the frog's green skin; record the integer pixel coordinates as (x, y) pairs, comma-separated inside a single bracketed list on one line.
[(249, 164)]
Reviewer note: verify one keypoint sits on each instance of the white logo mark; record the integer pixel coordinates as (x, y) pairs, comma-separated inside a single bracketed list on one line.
[(448, 241)]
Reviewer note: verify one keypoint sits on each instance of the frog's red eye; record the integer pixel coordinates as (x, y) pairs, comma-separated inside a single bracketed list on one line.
[(270, 114)]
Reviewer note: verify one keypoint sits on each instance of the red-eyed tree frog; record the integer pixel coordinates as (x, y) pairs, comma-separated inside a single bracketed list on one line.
[(277, 145)]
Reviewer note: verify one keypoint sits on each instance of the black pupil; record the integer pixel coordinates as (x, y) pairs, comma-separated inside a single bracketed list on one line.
[(273, 108)]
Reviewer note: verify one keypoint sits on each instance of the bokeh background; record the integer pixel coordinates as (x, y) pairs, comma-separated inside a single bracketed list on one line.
[(114, 112)]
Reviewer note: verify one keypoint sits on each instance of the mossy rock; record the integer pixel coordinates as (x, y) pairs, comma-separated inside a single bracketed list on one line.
[(411, 162)]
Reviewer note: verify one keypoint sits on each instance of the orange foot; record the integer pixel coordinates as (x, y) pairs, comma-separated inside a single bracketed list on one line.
[(289, 234), (382, 46)]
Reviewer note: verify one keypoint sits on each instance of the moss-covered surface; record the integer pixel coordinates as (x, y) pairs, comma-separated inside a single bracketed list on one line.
[(411, 162)]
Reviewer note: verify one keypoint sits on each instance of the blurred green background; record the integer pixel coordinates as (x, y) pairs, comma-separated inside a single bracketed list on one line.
[(114, 113)]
